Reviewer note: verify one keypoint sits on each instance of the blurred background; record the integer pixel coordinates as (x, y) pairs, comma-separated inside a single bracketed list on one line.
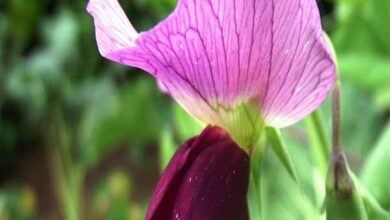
[(84, 138)]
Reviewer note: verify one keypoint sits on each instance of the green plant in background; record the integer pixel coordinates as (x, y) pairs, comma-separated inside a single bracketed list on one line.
[(62, 92), (361, 38), (68, 100)]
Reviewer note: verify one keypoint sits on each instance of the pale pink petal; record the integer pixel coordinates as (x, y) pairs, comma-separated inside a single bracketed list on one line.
[(236, 63), (115, 35)]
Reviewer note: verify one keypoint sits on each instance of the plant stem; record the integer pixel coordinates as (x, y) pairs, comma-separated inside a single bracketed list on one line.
[(67, 175), (336, 119), (62, 184), (257, 196), (343, 200), (319, 140)]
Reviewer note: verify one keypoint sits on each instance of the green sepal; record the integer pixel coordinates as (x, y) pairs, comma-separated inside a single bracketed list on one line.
[(375, 174), (275, 139), (374, 209)]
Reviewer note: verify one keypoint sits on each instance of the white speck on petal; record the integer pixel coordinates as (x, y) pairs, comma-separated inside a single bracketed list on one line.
[(181, 45), (306, 43)]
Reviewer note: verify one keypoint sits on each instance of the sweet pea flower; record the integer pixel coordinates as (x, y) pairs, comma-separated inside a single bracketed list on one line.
[(240, 65)]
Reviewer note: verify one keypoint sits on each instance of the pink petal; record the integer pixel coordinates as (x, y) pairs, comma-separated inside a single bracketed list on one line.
[(162, 87), (115, 35), (214, 56)]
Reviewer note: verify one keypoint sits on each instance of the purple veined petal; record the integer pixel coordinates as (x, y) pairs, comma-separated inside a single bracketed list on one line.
[(239, 64)]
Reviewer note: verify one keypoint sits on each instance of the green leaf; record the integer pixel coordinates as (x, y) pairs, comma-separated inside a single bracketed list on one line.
[(375, 174), (374, 209), (274, 137)]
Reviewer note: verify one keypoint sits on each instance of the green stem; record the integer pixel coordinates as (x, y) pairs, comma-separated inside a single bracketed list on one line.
[(344, 200), (319, 140), (67, 176), (336, 119), (62, 184), (256, 195)]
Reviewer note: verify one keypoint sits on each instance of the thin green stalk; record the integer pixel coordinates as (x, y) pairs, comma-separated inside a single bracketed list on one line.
[(256, 200), (78, 191), (343, 200), (336, 119), (256, 209), (319, 140), (61, 184), (67, 175)]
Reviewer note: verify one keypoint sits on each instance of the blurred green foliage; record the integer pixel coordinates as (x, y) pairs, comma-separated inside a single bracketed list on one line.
[(60, 97), (361, 37)]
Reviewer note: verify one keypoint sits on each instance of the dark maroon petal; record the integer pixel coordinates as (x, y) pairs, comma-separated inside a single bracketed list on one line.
[(215, 186), (207, 178)]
